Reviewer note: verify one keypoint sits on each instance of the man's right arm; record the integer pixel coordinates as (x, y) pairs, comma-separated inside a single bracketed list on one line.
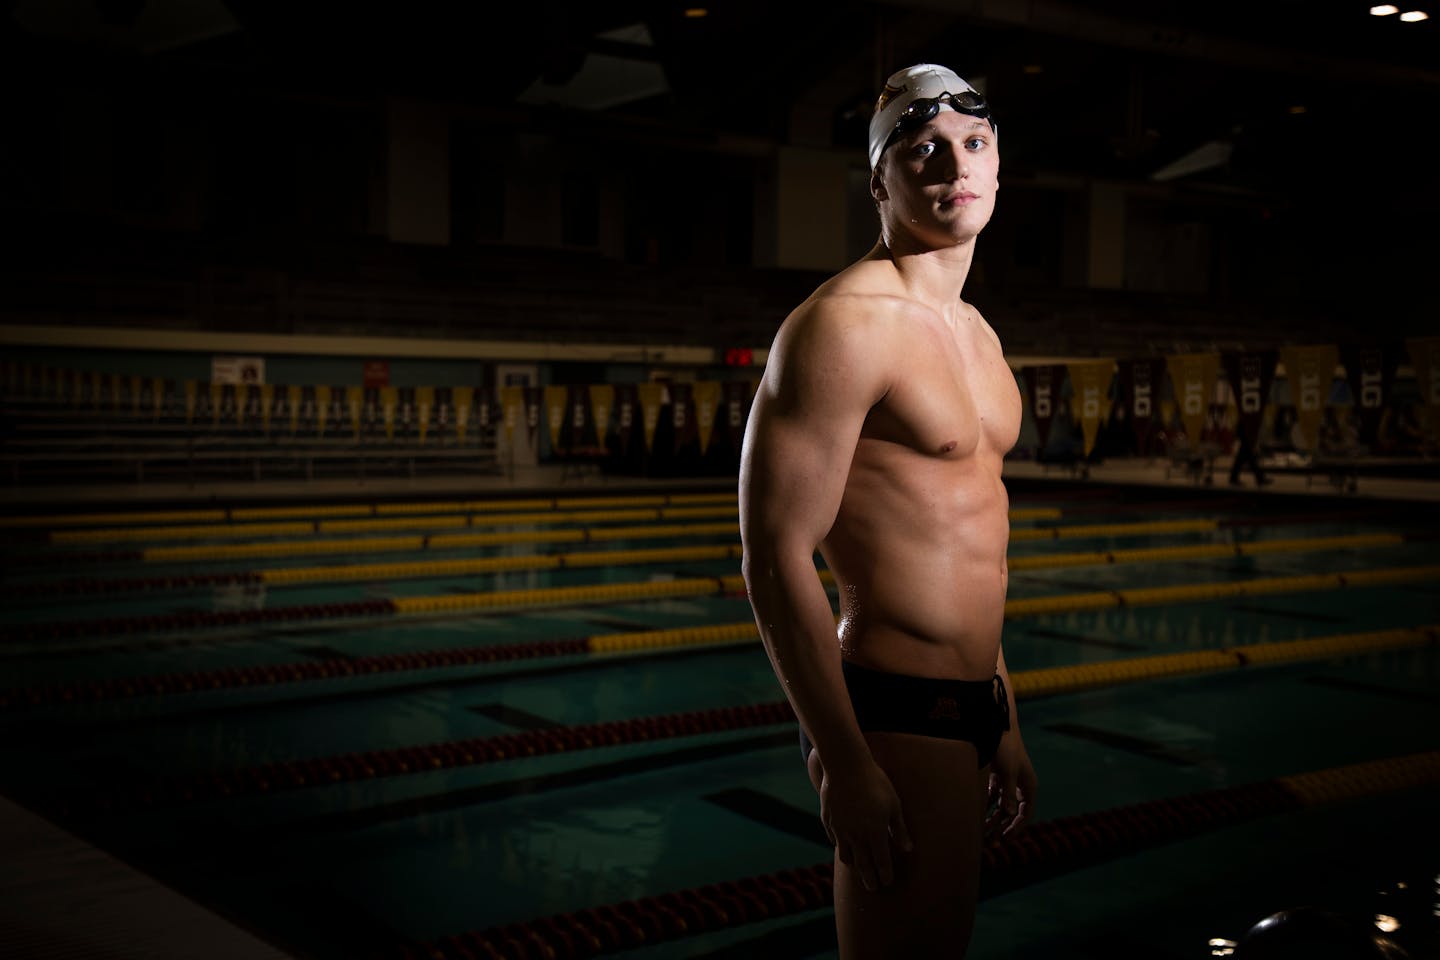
[(823, 376)]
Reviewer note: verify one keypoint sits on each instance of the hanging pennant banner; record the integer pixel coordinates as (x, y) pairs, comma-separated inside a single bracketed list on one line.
[(512, 405), (1250, 376), (191, 390), (706, 394), (1310, 372), (424, 406), (354, 400), (651, 395), (1193, 375), (295, 397), (534, 397), (1043, 383), (463, 398), (485, 408), (1090, 380), (737, 404), (682, 415), (159, 387), (1141, 382), (389, 404), (1370, 372), (627, 399), (602, 398), (557, 399), (322, 409), (1425, 357)]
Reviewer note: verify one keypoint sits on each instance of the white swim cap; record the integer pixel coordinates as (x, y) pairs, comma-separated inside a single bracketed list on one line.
[(924, 81)]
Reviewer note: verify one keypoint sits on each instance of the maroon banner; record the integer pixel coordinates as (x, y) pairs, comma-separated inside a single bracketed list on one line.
[(1370, 372), (736, 411), (627, 411), (1251, 376), (1043, 383), (1140, 385), (682, 412)]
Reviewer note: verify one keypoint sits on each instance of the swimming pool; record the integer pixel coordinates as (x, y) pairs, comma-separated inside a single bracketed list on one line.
[(541, 726)]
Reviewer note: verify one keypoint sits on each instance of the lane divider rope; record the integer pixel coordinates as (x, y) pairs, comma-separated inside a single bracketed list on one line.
[(431, 568), (319, 771), (680, 587)]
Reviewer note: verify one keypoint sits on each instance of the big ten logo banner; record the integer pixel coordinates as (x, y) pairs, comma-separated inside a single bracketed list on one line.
[(602, 400), (1310, 371), (1090, 381), (737, 403), (557, 403), (1043, 383), (1251, 376), (1139, 382), (1193, 376), (651, 397), (1370, 374)]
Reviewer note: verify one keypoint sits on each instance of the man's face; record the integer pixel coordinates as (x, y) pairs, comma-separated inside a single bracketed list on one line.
[(939, 181)]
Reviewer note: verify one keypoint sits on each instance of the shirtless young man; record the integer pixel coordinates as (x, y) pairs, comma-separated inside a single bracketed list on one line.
[(877, 436)]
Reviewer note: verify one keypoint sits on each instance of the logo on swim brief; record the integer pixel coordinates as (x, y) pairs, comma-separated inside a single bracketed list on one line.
[(946, 708)]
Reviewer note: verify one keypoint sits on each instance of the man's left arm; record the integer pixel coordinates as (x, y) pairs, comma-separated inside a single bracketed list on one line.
[(1013, 783)]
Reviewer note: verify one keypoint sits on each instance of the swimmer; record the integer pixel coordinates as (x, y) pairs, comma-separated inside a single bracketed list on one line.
[(877, 437)]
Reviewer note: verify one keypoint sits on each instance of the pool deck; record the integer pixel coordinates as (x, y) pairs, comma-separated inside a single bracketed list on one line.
[(62, 898)]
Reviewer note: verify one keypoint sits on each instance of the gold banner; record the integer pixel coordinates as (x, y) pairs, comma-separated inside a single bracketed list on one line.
[(217, 396), (650, 395), (557, 398), (706, 394), (389, 403), (1193, 375), (1090, 381), (157, 396), (354, 399), (293, 395), (1310, 371), (602, 398), (462, 397), (424, 403)]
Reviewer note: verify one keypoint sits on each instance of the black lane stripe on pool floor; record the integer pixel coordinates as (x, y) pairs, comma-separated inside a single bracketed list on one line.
[(1152, 749), (513, 717), (1426, 697), (771, 812), (245, 843)]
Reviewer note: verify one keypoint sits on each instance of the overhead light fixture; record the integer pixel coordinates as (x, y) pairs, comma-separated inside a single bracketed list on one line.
[(1384, 10), (1414, 16), (695, 13), (1298, 108)]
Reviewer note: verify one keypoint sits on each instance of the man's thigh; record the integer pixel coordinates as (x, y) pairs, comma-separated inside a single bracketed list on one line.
[(930, 909)]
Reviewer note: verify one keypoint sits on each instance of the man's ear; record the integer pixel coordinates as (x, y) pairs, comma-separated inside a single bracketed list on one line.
[(877, 186)]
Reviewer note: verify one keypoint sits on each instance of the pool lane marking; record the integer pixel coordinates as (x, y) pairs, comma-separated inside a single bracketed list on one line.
[(1142, 746), (284, 576), (320, 771), (770, 811), (1043, 850)]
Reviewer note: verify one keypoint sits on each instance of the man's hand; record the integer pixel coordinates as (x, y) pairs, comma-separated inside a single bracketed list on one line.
[(1012, 787), (862, 816)]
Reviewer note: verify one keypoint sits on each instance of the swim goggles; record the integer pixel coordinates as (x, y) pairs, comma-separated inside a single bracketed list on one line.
[(919, 112)]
